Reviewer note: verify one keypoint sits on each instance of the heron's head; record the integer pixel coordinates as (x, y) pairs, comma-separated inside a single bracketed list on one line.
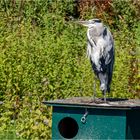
[(90, 23)]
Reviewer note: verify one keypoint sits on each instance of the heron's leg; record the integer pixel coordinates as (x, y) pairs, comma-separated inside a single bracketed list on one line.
[(104, 96), (94, 88)]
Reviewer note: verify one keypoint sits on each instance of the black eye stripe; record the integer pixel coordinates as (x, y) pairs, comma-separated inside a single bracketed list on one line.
[(96, 20)]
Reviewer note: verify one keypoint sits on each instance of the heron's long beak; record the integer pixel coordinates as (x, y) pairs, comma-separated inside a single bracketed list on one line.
[(84, 23)]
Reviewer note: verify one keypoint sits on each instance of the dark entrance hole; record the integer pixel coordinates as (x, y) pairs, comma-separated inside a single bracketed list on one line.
[(68, 127)]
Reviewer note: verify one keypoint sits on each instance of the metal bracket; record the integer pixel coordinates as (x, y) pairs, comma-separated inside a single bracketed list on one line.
[(83, 118)]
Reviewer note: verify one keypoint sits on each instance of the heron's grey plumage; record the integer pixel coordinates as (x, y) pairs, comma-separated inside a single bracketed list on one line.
[(100, 50)]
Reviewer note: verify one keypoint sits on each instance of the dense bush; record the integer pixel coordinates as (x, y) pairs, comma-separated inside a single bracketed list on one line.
[(43, 57)]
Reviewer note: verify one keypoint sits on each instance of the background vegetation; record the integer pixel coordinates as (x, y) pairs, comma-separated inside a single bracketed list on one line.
[(43, 57)]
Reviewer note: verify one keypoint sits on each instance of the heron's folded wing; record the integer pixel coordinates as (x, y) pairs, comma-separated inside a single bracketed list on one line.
[(109, 49)]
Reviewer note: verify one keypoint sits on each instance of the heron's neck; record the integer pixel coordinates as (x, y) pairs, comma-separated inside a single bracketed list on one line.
[(91, 38)]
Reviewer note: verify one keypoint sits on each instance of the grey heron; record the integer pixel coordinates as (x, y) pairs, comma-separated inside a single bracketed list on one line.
[(100, 50)]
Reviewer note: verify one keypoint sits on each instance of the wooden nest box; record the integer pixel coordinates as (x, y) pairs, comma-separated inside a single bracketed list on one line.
[(82, 118)]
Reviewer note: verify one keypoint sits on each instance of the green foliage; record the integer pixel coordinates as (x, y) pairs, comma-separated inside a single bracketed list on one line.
[(43, 57), (124, 12)]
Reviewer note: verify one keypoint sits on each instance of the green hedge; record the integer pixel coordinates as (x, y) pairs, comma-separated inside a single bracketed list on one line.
[(43, 57)]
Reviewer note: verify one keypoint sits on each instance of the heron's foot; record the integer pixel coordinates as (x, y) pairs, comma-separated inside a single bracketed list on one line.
[(98, 101)]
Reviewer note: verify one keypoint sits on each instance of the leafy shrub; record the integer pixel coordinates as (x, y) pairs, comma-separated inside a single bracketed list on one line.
[(43, 57)]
